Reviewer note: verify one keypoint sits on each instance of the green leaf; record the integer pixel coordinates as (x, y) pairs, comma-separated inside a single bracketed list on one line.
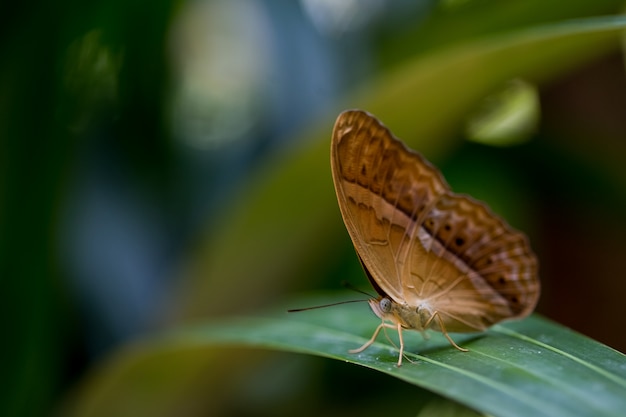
[(532, 367)]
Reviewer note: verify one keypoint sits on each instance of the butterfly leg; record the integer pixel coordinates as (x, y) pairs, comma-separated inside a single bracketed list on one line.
[(444, 331), (367, 344), (401, 344)]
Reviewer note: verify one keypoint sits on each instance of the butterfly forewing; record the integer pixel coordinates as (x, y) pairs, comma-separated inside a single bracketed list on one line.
[(380, 200), (420, 243)]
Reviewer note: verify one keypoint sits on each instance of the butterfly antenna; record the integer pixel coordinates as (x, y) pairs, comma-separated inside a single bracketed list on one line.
[(295, 310), (349, 286)]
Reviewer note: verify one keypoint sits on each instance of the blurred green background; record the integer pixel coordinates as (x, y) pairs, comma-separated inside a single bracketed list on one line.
[(167, 162)]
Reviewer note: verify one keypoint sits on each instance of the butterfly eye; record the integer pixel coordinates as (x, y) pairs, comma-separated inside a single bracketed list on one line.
[(385, 305)]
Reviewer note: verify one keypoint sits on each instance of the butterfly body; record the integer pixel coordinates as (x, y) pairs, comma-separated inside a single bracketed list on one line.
[(442, 260), (409, 317)]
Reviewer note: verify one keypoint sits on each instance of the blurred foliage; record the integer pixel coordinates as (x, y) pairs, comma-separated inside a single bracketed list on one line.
[(39, 112), (83, 79)]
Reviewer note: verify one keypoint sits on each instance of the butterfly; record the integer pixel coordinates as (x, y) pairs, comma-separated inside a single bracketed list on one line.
[(438, 260)]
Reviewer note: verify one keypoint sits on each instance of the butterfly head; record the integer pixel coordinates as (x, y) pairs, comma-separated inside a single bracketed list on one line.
[(387, 309), (381, 306), (408, 317)]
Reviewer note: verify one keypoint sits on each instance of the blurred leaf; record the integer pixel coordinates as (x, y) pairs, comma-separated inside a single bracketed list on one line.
[(440, 407), (532, 367), (508, 117), (468, 19), (430, 96)]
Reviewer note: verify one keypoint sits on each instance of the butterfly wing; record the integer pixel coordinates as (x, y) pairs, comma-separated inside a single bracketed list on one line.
[(483, 271), (420, 243), (383, 190)]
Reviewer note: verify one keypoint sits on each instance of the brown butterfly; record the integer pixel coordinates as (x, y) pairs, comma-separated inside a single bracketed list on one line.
[(437, 259)]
